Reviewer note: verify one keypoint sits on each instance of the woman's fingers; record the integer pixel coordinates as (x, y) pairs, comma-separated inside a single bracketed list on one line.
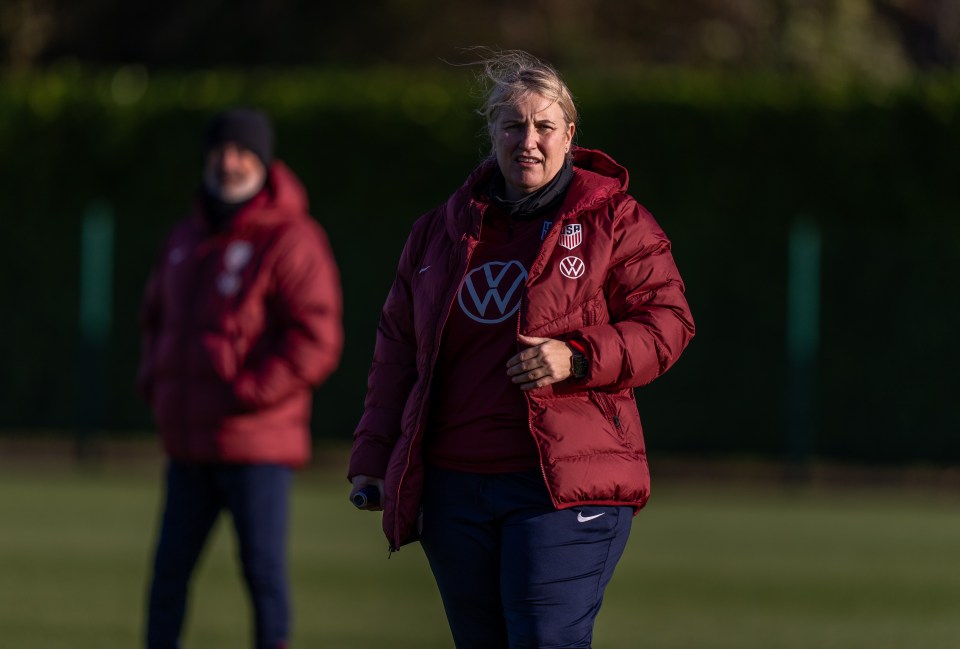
[(545, 363)]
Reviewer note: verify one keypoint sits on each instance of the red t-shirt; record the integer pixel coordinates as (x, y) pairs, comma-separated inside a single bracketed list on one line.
[(478, 420)]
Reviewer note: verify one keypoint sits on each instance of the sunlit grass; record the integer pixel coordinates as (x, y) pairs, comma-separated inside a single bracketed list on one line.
[(707, 567)]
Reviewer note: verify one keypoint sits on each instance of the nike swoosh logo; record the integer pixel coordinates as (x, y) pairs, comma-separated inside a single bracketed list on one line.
[(583, 519), (424, 269)]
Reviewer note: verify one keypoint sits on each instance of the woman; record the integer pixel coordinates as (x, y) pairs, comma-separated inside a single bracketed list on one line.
[(500, 427)]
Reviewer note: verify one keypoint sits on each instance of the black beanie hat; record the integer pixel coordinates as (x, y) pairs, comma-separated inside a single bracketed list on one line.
[(247, 127)]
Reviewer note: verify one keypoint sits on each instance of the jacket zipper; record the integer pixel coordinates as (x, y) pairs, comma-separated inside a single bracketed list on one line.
[(608, 409), (537, 258), (543, 470), (418, 431)]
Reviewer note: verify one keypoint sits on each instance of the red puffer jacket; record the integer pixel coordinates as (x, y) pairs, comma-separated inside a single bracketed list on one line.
[(604, 275), (238, 326)]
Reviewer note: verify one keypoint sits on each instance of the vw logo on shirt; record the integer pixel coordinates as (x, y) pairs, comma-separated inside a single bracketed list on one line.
[(491, 293)]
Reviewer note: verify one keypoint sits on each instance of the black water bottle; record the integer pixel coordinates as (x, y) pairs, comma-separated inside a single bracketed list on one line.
[(369, 496)]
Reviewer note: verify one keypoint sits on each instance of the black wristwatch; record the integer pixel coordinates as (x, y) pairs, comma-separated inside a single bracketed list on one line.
[(579, 364)]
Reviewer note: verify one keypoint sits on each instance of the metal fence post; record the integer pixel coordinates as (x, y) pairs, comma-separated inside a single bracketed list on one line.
[(96, 319), (803, 344)]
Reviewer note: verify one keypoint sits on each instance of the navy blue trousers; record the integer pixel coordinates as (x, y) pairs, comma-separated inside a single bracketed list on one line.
[(513, 572), (257, 498)]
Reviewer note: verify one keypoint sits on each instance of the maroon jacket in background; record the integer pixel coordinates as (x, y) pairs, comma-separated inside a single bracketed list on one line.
[(238, 326), (626, 308)]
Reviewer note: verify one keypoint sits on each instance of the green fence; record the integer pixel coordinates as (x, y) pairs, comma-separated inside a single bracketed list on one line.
[(727, 165)]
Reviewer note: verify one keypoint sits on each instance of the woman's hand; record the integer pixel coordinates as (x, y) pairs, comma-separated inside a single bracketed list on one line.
[(545, 362), (361, 481)]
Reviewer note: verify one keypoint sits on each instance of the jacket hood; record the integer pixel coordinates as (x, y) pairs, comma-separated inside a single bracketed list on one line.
[(602, 166), (597, 178), (282, 197), (287, 192)]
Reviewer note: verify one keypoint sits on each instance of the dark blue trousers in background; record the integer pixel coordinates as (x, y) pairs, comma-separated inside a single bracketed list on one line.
[(514, 572), (257, 498)]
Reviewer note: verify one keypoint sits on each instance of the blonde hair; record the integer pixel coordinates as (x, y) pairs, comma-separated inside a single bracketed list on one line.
[(509, 75)]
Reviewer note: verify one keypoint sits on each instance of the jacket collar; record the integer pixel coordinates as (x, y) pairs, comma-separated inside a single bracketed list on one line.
[(597, 178), (282, 196)]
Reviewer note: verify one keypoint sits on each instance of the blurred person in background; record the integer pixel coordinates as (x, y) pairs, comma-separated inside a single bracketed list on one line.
[(500, 427), (241, 320)]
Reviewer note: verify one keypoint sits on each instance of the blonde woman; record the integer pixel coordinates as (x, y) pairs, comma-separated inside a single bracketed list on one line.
[(500, 428)]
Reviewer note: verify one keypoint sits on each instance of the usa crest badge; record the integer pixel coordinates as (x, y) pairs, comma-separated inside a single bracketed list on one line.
[(571, 236)]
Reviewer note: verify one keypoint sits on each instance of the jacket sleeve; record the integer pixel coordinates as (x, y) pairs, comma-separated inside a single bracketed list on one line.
[(650, 321), (392, 375), (307, 315)]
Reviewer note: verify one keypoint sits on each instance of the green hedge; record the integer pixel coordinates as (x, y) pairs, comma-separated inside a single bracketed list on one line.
[(725, 163)]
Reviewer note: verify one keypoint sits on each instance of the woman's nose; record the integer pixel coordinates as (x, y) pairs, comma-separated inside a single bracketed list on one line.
[(530, 138)]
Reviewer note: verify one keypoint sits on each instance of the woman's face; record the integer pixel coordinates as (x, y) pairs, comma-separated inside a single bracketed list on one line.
[(531, 140)]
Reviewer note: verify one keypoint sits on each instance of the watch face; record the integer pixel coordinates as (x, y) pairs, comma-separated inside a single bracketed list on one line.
[(579, 365)]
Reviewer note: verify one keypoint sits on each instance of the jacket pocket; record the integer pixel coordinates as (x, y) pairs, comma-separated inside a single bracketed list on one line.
[(594, 311), (220, 351), (608, 408)]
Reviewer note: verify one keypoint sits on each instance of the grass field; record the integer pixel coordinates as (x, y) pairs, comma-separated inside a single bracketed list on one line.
[(708, 567)]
